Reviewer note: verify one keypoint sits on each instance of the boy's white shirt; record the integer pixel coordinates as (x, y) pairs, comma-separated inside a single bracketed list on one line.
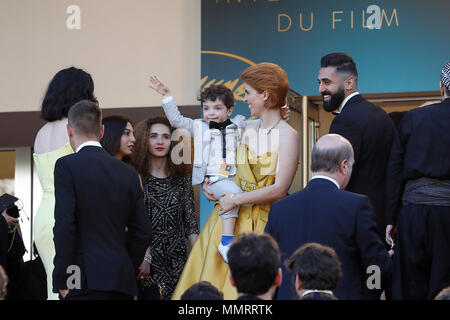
[(203, 136)]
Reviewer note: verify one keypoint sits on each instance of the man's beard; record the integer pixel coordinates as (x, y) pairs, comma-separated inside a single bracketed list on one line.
[(335, 99)]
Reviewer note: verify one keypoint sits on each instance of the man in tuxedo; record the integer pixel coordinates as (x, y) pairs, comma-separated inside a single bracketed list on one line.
[(254, 262), (316, 270), (97, 198), (369, 129), (323, 213), (419, 203)]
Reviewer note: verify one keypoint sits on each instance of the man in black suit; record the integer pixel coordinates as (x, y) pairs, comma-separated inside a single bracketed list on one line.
[(316, 270), (419, 205), (254, 262), (342, 220), (369, 129), (97, 198)]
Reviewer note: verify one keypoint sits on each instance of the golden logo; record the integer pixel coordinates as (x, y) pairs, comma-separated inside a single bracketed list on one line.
[(234, 84)]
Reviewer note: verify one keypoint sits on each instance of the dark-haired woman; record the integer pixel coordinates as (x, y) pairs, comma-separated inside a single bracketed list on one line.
[(169, 200), (118, 138), (66, 88)]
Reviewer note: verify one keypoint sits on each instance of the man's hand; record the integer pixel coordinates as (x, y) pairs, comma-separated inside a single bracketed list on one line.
[(159, 86), (144, 271), (285, 112), (390, 235), (63, 292), (9, 220)]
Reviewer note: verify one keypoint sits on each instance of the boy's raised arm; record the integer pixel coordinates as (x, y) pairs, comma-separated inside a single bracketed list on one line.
[(174, 116)]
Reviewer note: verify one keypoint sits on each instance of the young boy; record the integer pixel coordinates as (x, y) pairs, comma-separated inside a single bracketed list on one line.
[(216, 138)]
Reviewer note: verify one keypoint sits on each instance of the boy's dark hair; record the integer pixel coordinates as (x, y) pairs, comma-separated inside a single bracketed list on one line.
[(317, 266), (342, 61), (67, 87), (214, 92), (254, 261), (84, 118), (203, 290)]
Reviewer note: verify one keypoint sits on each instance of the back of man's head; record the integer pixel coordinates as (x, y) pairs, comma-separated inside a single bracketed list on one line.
[(329, 152), (254, 261), (85, 119), (343, 62), (317, 266), (202, 290)]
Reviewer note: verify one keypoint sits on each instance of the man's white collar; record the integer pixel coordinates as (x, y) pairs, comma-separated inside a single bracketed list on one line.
[(327, 178), (89, 143), (346, 100)]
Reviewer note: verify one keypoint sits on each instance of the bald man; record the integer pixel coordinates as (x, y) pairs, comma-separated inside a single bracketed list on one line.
[(324, 213)]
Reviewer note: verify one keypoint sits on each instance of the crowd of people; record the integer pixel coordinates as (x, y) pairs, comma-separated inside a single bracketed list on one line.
[(118, 209)]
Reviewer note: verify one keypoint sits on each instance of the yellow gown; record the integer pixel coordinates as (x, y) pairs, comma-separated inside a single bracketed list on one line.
[(44, 220), (204, 262)]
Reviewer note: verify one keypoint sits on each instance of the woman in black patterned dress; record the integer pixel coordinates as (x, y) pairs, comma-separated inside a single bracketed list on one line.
[(169, 200)]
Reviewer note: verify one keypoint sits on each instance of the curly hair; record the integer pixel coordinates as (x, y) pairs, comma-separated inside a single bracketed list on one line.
[(141, 157), (214, 92), (67, 87)]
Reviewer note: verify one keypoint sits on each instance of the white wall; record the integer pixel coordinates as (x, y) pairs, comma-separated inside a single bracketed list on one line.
[(120, 43)]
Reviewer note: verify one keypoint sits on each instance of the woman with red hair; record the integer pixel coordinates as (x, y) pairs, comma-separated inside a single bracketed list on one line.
[(267, 159)]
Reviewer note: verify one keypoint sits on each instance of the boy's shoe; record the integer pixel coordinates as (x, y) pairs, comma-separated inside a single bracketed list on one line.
[(223, 250)]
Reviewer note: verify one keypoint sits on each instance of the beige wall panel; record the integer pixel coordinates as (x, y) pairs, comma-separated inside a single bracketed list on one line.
[(120, 43)]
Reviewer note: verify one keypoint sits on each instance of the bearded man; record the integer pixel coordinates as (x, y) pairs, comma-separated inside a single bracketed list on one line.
[(368, 128)]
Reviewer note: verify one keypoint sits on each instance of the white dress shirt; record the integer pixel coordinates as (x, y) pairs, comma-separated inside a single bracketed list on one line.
[(89, 143), (327, 178), (311, 291), (346, 100)]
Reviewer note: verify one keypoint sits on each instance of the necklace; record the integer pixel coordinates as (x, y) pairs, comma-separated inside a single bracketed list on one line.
[(271, 127)]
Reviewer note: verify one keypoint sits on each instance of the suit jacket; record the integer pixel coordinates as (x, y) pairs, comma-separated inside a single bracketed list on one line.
[(371, 131), (421, 150), (97, 197), (339, 219)]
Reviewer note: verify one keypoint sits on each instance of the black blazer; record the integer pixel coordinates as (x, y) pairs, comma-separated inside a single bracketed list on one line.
[(339, 219), (97, 197), (421, 149), (371, 131)]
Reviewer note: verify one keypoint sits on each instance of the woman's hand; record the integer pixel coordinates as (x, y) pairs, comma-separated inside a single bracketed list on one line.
[(144, 271), (9, 220), (208, 194), (227, 202), (159, 86), (285, 112)]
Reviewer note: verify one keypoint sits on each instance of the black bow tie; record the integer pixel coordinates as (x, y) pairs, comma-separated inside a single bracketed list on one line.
[(220, 126)]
